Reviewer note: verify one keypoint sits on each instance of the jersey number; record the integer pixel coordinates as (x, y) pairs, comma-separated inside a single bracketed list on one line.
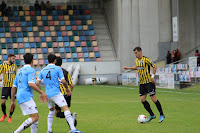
[(49, 75), (20, 75)]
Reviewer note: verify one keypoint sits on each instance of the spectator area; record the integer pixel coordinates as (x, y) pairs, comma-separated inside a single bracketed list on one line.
[(66, 31)]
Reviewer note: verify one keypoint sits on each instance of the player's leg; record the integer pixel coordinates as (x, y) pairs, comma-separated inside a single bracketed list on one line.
[(152, 93), (28, 108), (11, 113), (4, 96), (51, 105)]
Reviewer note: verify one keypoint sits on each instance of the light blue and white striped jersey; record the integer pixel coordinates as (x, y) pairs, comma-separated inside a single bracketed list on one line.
[(51, 75), (25, 75)]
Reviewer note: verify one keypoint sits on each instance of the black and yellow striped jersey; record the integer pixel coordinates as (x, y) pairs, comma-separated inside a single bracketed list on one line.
[(9, 73), (69, 81), (143, 67)]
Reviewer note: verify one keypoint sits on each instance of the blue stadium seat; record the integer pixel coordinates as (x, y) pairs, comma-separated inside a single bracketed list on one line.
[(82, 38), (81, 33), (21, 51), (32, 45), (64, 60), (17, 18), (73, 22), (8, 40), (69, 60), (9, 46), (85, 55), (92, 59), (65, 38), (10, 51), (45, 56), (23, 23), (19, 34), (37, 13), (58, 33), (5, 57), (54, 13), (92, 32), (66, 44), (90, 27), (87, 59), (22, 62), (68, 28), (28, 23), (26, 45), (35, 56), (67, 50), (13, 34), (2, 35), (46, 62), (84, 49), (17, 62), (88, 17), (60, 39), (35, 34), (83, 17), (62, 23), (45, 50), (55, 18), (1, 29), (44, 18), (97, 54), (56, 50), (86, 32), (62, 50), (76, 12), (63, 55), (85, 6), (80, 27), (80, 7), (74, 55), (43, 39), (1, 19), (47, 33), (30, 29), (59, 12), (78, 44), (20, 40)]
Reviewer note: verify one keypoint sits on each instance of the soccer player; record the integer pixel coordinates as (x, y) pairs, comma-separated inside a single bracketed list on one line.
[(58, 112), (25, 82), (51, 75), (9, 72), (147, 82)]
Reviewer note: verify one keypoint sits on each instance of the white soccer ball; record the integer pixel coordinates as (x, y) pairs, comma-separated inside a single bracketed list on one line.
[(142, 118)]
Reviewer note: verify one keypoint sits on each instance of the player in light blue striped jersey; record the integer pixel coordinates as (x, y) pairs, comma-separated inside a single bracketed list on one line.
[(51, 75), (24, 83)]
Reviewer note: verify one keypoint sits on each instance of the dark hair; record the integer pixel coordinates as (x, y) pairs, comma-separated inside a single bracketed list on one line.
[(137, 48), (58, 61), (28, 57), (51, 58), (11, 55)]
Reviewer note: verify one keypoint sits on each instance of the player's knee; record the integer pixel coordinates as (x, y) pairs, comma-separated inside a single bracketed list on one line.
[(65, 108), (35, 117)]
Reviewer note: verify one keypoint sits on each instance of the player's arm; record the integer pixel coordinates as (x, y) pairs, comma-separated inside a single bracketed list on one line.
[(132, 68), (1, 70), (149, 62), (70, 81), (61, 76), (13, 92)]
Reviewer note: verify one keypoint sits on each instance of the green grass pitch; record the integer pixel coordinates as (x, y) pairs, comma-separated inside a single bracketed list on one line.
[(114, 109)]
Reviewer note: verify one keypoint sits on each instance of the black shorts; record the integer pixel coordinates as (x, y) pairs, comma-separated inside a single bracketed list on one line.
[(68, 100), (6, 91), (147, 88)]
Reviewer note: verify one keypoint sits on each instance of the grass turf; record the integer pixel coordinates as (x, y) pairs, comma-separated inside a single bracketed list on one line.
[(114, 109)]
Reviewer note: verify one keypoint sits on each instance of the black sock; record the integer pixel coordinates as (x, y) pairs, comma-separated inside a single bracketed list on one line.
[(11, 113), (147, 107), (60, 115), (159, 107), (3, 107)]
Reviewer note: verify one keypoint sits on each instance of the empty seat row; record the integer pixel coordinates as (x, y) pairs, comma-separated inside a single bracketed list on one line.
[(45, 18)]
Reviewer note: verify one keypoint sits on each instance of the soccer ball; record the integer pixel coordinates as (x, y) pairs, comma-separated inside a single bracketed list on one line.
[(142, 118)]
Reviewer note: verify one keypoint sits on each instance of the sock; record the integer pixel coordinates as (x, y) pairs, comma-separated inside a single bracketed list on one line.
[(34, 127), (159, 107), (69, 119), (24, 125), (60, 115), (147, 107), (50, 120), (3, 107), (11, 113)]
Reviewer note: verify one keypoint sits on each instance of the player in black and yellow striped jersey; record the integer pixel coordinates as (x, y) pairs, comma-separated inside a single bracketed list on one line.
[(9, 72), (147, 82), (68, 78)]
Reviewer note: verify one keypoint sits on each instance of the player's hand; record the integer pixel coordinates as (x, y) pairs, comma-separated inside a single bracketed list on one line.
[(68, 92), (12, 106), (0, 78), (43, 97), (125, 67), (153, 80)]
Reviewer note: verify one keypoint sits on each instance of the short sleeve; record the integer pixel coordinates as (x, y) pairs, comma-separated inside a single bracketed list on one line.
[(31, 76), (149, 62), (40, 76), (60, 73)]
